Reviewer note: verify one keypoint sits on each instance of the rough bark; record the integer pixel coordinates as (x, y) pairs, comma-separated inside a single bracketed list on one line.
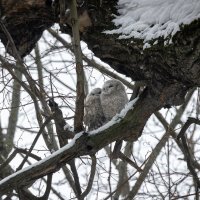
[(25, 21)]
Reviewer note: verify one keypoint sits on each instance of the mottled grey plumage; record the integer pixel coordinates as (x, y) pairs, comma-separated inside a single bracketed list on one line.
[(93, 116), (113, 98)]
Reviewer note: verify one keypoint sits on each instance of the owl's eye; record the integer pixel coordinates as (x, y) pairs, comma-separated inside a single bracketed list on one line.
[(99, 92), (110, 86)]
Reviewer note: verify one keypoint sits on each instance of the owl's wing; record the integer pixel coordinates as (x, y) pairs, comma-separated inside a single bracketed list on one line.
[(94, 119), (86, 119), (87, 115), (89, 111), (96, 122)]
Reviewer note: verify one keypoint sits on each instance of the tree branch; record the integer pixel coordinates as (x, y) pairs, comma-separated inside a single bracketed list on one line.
[(186, 126), (15, 103), (34, 141), (91, 178), (80, 95)]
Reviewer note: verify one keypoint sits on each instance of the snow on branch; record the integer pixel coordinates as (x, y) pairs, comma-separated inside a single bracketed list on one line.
[(117, 118), (60, 151)]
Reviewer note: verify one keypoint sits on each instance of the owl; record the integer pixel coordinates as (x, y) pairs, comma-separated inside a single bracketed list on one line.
[(113, 98), (93, 113)]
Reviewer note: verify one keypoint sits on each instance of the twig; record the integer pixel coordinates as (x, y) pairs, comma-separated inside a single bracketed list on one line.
[(26, 194), (32, 91), (184, 196), (192, 164), (34, 142), (123, 183), (50, 139), (190, 121), (69, 178), (24, 151), (148, 165), (129, 161), (10, 158), (183, 145), (158, 148)]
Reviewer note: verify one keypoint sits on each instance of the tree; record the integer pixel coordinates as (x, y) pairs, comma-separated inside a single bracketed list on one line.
[(170, 74)]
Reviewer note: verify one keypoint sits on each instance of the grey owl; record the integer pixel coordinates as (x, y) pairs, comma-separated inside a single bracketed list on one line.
[(113, 98), (93, 116)]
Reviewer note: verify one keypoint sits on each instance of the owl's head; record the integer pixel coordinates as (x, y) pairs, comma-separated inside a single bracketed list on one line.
[(112, 86), (95, 93)]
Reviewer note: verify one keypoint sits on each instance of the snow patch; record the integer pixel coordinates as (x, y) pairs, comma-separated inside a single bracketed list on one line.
[(151, 19)]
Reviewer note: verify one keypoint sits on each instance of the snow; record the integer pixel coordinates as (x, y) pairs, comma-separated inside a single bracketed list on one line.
[(151, 19), (117, 118), (60, 151)]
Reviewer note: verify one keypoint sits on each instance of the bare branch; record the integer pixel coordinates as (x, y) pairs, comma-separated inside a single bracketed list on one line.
[(79, 112), (14, 110), (25, 194), (15, 152), (43, 101), (34, 142), (186, 126), (32, 90), (91, 179), (189, 158), (129, 161)]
